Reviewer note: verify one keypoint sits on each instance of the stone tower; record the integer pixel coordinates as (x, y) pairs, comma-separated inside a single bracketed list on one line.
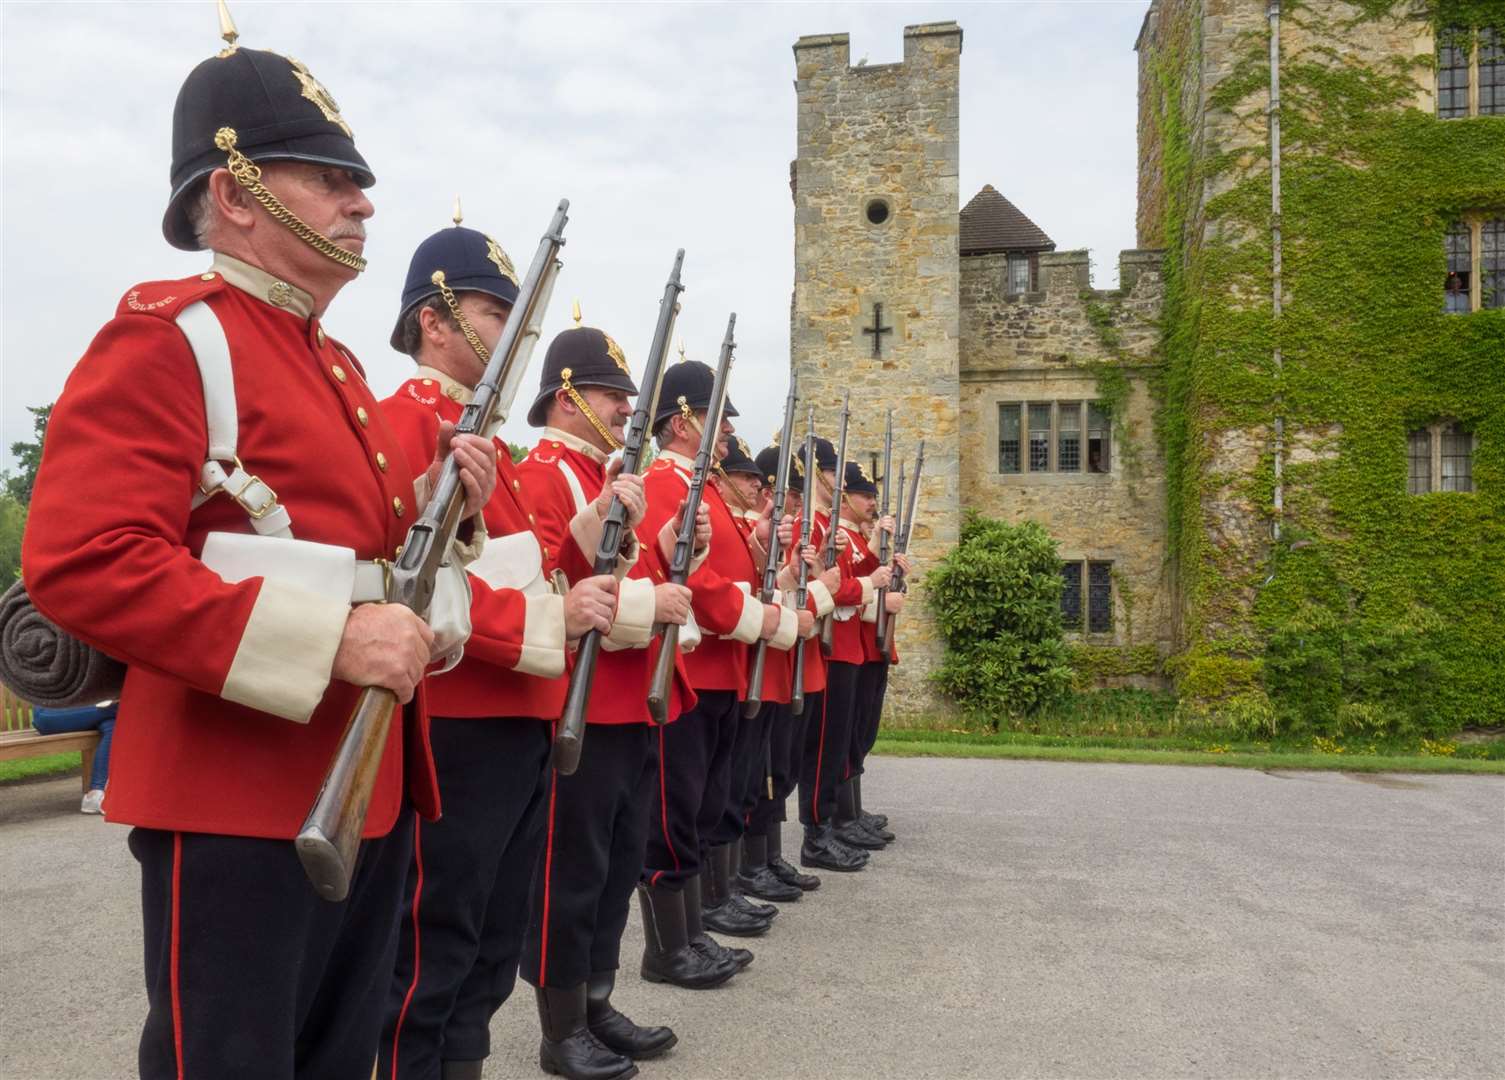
[(876, 279)]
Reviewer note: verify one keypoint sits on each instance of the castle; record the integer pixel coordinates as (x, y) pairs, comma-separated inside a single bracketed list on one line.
[(1193, 439)]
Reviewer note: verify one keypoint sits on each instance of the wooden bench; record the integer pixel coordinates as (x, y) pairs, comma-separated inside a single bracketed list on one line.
[(18, 739)]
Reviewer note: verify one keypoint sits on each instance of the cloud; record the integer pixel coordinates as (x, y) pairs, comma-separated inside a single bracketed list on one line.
[(667, 125)]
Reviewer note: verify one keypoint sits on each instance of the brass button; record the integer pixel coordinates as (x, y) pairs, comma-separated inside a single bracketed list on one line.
[(428, 382), (361, 415), (207, 277), (381, 461), (319, 334), (397, 507), (339, 372), (516, 486), (532, 520)]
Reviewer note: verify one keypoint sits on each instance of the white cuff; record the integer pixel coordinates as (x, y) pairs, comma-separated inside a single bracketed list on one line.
[(788, 632), (469, 553), (817, 591), (633, 626), (286, 651), (870, 611), (543, 637), (868, 592), (749, 626)]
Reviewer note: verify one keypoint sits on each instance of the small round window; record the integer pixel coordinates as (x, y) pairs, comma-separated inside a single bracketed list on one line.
[(877, 211)]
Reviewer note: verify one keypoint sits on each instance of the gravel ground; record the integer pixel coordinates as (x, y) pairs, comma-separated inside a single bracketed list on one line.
[(1034, 919)]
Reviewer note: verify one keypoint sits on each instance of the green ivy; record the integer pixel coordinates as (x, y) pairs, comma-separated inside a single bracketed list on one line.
[(1368, 184)]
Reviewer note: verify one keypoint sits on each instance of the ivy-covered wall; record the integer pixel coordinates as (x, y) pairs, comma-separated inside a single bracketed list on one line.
[(1412, 584)]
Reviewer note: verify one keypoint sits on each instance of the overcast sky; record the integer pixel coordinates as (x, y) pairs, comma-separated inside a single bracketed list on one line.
[(666, 125)]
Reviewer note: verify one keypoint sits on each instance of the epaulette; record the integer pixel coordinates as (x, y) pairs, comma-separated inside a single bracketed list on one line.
[(167, 299), (413, 390)]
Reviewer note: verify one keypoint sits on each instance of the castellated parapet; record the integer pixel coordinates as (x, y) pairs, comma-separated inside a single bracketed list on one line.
[(876, 232)]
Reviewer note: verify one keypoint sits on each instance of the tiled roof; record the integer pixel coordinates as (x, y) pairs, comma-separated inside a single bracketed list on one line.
[(991, 223)]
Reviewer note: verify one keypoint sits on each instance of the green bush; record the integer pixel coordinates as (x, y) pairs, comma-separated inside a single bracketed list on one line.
[(997, 602), (1352, 675)]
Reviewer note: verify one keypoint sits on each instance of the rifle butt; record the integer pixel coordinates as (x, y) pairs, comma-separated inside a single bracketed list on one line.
[(827, 635), (663, 676), (330, 838), (797, 704), (755, 681), (880, 626), (569, 736)]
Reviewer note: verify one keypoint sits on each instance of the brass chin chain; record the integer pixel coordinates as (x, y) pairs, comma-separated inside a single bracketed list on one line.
[(612, 442), (437, 277), (248, 175)]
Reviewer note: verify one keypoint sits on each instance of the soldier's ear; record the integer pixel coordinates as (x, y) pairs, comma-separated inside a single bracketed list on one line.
[(562, 400), (429, 322), (230, 201)]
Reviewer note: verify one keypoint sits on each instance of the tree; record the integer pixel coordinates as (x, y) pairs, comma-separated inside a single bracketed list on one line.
[(28, 457), (12, 525)]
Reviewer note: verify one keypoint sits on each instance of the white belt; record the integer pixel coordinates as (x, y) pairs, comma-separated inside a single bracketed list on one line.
[(370, 584)]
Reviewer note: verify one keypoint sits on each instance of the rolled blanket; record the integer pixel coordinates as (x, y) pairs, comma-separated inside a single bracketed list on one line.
[(42, 664)]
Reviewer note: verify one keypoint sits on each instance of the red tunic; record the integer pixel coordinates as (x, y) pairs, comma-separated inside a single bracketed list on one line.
[(619, 694), (730, 617), (111, 546), (515, 647), (855, 592)]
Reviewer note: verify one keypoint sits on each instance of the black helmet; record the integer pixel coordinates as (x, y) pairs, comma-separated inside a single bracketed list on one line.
[(691, 381), (591, 358), (471, 261)]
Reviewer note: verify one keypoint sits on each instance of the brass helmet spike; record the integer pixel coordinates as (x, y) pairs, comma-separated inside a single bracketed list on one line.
[(458, 217), (227, 30), (576, 313), (681, 350)]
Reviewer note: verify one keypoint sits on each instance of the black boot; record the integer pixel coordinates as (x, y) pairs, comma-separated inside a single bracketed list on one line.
[(822, 849), (667, 955), (703, 943), (460, 1070), (781, 867), (614, 1030), (877, 824), (716, 909), (848, 829), (728, 857), (568, 1048), (756, 879)]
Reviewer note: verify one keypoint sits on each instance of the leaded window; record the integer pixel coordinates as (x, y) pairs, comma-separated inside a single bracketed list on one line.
[(1452, 73), (1039, 436), (1099, 437), (1071, 596), (1069, 437), (1492, 264), (1458, 243), (1018, 274), (1008, 438), (1491, 72), (1457, 459), (1419, 460), (1099, 597)]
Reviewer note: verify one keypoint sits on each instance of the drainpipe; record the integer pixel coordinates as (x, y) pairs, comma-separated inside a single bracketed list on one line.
[(1273, 11)]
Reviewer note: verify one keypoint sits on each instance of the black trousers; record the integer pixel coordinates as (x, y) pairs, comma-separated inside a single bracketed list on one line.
[(465, 907), (249, 974), (749, 773), (595, 834), (695, 754), (872, 683), (786, 751), (828, 745)]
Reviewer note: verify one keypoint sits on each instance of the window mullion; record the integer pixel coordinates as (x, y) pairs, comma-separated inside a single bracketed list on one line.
[(1435, 433), (1476, 263)]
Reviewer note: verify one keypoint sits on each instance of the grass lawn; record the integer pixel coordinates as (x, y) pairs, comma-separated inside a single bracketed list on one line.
[(1172, 750), (45, 765)]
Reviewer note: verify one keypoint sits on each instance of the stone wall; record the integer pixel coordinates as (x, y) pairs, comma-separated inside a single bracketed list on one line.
[(1033, 347), (885, 133)]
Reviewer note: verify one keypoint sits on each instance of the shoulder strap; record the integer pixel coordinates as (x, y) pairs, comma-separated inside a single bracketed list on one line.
[(206, 339), (574, 481)]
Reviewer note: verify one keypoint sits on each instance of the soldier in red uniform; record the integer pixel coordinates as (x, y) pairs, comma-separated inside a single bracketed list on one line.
[(243, 671), (466, 902), (695, 756), (597, 821)]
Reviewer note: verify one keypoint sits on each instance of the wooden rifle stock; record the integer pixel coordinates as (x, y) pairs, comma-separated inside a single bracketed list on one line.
[(901, 545), (329, 840), (885, 539), (570, 734), (802, 590), (833, 523), (684, 541), (775, 556)]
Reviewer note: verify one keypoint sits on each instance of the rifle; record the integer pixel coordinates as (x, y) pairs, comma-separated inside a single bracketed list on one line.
[(571, 731), (771, 565), (684, 543), (802, 589), (327, 843), (901, 547), (885, 539), (833, 523)]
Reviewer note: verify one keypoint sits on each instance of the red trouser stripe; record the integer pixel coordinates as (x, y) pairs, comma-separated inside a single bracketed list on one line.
[(548, 870), (177, 990), (820, 753), (417, 952), (663, 800)]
